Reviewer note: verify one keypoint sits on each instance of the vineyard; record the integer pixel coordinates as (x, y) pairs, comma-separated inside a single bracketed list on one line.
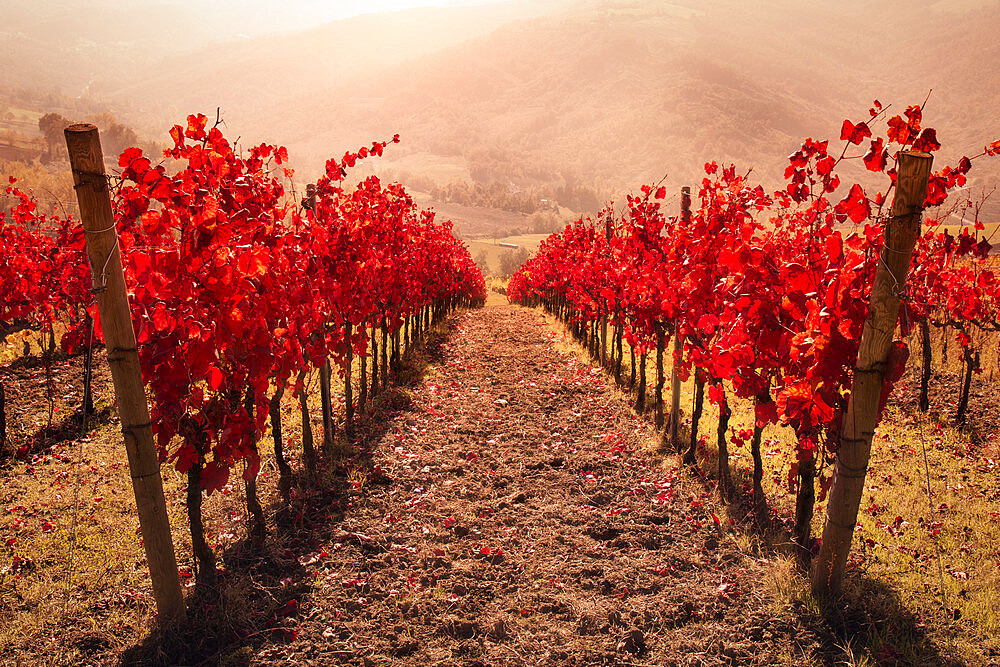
[(483, 489)]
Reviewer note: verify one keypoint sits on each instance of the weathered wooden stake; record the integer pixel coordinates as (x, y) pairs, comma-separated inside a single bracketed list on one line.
[(658, 397), (675, 392), (93, 196), (861, 417), (675, 381)]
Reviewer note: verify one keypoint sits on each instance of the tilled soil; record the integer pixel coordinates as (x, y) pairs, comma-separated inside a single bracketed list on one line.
[(943, 391), (29, 387), (514, 511)]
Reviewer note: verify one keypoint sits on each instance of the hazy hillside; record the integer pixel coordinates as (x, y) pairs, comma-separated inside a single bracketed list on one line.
[(606, 95), (275, 85), (623, 95), (61, 46)]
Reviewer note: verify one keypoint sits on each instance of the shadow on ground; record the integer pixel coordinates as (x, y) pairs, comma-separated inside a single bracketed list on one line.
[(260, 586), (869, 623)]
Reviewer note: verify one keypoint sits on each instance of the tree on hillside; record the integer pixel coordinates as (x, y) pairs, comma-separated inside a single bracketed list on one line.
[(51, 126), (511, 260), (116, 136), (545, 222), (482, 261)]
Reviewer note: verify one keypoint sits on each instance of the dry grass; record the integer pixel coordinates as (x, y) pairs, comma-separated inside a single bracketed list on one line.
[(90, 610), (87, 604), (896, 601), (529, 242)]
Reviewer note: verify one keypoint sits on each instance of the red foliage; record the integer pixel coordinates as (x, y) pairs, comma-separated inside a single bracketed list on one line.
[(232, 290), (772, 300)]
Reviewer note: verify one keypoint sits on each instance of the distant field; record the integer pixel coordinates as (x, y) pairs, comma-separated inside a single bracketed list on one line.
[(475, 221), (954, 225), (493, 248)]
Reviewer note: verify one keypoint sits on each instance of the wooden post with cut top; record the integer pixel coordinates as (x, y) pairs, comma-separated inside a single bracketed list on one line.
[(861, 417), (675, 380), (93, 195)]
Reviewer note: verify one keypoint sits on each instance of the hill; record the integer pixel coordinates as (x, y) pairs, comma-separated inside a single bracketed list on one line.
[(605, 95), (616, 95)]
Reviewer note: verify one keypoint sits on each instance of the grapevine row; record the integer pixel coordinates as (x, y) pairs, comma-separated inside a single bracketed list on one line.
[(766, 294), (238, 295)]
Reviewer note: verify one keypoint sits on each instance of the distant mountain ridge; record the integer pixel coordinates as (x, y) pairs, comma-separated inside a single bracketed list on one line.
[(607, 94)]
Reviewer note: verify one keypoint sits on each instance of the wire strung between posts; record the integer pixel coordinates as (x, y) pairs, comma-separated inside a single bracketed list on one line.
[(107, 261), (927, 470), (87, 384), (87, 378), (902, 295)]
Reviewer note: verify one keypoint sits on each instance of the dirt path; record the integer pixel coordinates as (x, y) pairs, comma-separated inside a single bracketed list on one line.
[(512, 513)]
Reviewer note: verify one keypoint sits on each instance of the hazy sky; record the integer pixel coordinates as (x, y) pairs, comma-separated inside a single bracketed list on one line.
[(267, 15), (227, 18)]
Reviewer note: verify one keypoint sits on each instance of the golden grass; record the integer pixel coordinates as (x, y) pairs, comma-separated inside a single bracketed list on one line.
[(58, 610), (529, 242), (894, 575), (102, 604)]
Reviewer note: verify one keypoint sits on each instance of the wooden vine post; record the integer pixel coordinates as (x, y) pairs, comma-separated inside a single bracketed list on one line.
[(675, 380), (3, 418), (608, 233), (861, 418), (93, 195)]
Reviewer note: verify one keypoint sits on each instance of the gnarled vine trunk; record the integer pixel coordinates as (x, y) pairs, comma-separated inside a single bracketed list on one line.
[(604, 341), (348, 379), (257, 529), (970, 362), (363, 383), (204, 557), (640, 394), (326, 401), (759, 501), (284, 470), (385, 355), (374, 389), (658, 397), (308, 451), (619, 355), (395, 350), (88, 361), (805, 501), (725, 477), (691, 456)]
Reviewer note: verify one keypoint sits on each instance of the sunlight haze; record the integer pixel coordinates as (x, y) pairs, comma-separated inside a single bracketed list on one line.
[(559, 333)]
